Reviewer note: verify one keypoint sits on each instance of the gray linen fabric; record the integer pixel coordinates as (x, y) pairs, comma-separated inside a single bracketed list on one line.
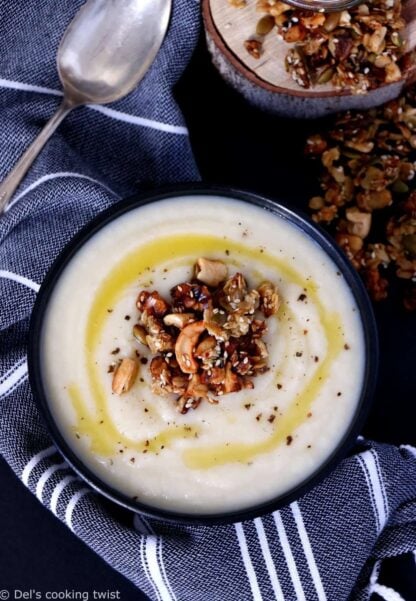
[(329, 544)]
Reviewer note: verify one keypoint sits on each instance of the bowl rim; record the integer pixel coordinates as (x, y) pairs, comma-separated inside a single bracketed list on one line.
[(295, 218)]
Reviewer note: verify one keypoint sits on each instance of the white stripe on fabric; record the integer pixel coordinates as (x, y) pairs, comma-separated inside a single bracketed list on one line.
[(126, 118), (377, 485), (145, 567), (251, 575), (307, 549), (386, 593), (71, 506), (15, 386), (383, 488), (51, 176), (374, 574), (117, 115), (12, 368), (154, 568), (58, 489), (18, 376), (27, 87), (20, 279), (141, 525), (409, 448), (27, 470), (162, 565), (370, 491), (46, 475), (271, 568), (290, 560)]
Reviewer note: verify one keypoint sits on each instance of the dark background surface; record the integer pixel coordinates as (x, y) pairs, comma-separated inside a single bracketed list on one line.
[(236, 145)]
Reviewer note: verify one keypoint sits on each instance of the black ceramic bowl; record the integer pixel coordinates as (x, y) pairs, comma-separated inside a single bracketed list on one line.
[(299, 221)]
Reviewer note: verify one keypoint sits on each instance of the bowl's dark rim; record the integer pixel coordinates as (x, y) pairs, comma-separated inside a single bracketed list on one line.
[(297, 219)]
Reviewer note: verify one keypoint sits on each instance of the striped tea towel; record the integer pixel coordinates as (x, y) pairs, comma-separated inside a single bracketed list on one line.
[(327, 546)]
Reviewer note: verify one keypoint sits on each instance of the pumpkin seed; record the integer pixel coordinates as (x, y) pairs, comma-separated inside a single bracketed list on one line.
[(397, 39), (409, 244), (400, 187), (326, 75), (265, 25), (350, 154), (140, 334)]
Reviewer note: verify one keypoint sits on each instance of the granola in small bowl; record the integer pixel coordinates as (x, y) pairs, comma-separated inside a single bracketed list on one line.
[(358, 49)]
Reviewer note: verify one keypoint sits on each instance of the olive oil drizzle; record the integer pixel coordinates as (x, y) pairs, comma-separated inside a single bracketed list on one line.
[(104, 435), (213, 455)]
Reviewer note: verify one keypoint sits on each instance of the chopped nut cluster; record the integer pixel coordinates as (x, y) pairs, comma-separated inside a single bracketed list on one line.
[(207, 340), (359, 48), (368, 177)]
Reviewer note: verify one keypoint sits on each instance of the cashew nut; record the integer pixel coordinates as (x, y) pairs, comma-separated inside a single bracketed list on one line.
[(125, 375), (359, 222), (185, 346), (210, 272), (179, 320)]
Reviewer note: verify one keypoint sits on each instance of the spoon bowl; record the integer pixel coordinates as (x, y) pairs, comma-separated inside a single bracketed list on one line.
[(105, 52), (108, 48)]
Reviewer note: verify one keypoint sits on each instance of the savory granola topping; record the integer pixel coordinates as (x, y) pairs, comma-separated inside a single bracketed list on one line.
[(360, 48), (207, 341), (368, 192)]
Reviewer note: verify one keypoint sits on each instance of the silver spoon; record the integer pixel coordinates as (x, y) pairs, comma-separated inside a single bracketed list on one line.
[(105, 52)]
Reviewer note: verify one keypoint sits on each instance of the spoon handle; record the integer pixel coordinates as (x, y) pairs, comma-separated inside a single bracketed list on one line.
[(12, 181)]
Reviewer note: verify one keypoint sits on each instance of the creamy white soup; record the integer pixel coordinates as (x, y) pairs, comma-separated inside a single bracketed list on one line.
[(218, 457)]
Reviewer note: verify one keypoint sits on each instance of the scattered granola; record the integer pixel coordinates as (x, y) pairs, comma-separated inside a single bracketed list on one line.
[(207, 341), (369, 195), (360, 48)]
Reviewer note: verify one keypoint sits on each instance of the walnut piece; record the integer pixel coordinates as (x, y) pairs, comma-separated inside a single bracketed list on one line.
[(269, 299), (254, 48)]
